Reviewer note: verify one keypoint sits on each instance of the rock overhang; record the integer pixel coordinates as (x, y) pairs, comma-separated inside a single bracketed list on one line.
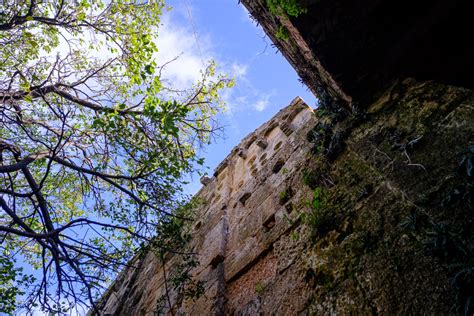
[(349, 50)]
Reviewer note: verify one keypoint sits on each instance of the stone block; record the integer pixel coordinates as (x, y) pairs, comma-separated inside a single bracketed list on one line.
[(205, 180), (262, 143), (213, 246)]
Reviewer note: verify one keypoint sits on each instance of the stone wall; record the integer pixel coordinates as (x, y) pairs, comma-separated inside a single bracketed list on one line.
[(392, 233), (396, 233), (241, 232)]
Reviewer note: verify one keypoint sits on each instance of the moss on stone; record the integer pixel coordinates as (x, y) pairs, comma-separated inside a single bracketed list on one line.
[(403, 159)]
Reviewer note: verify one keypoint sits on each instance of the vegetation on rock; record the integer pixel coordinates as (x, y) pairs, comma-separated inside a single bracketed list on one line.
[(282, 33), (397, 206), (173, 236), (286, 7)]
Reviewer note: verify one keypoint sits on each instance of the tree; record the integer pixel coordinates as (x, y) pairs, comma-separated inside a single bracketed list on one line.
[(93, 143)]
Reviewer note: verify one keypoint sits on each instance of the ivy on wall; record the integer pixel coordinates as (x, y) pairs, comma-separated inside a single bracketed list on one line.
[(286, 7)]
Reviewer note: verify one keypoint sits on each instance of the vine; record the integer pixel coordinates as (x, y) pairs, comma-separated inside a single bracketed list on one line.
[(173, 236), (447, 242)]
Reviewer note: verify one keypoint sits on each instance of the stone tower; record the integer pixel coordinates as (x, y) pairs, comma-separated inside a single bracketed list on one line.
[(242, 230)]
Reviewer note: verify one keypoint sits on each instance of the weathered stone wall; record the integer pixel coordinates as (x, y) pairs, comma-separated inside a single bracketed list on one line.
[(241, 233), (396, 233), (392, 234)]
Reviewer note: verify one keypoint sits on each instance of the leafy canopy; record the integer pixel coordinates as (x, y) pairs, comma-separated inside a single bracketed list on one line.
[(93, 143)]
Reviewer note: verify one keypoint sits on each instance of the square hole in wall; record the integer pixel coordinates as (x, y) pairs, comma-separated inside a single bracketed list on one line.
[(278, 165), (270, 222), (245, 197), (216, 260)]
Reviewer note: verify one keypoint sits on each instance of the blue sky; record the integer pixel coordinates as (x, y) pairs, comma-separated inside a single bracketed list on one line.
[(200, 30)]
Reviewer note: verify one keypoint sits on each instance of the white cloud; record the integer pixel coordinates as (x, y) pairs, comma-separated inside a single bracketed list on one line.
[(239, 71), (187, 53), (244, 98), (262, 103), (191, 53), (228, 98), (179, 39)]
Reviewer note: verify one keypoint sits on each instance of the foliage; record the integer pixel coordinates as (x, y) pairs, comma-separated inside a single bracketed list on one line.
[(173, 235), (174, 232), (447, 242), (286, 7), (11, 281), (467, 161), (318, 137), (282, 33), (310, 178), (463, 283), (319, 219), (295, 236), (285, 195), (259, 288), (411, 222), (318, 201), (442, 242), (93, 141), (181, 280)]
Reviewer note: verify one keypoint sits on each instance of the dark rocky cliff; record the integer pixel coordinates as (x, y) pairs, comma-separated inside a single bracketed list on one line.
[(395, 233), (353, 49)]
